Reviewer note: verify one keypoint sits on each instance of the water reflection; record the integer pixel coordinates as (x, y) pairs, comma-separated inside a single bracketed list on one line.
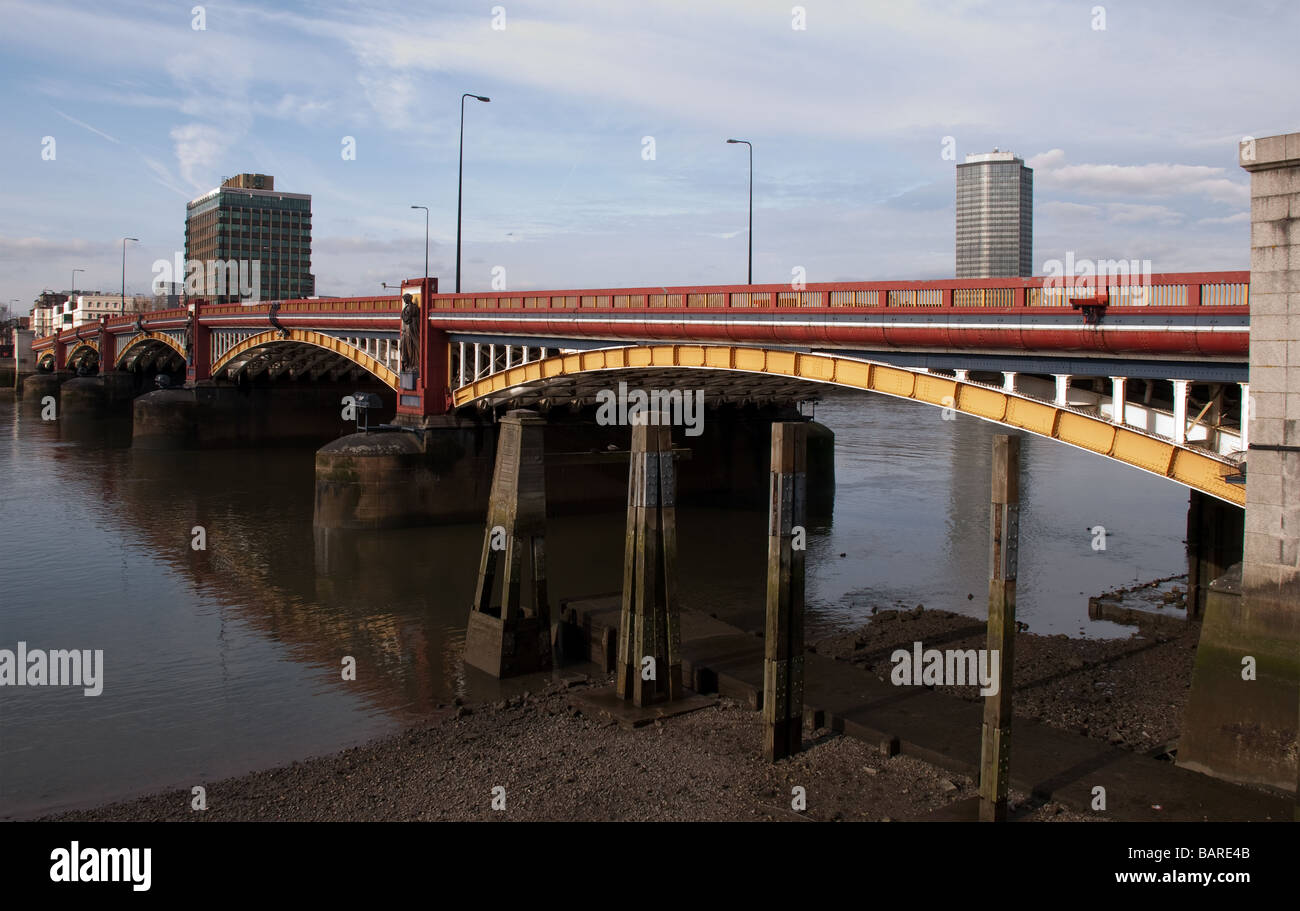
[(227, 659)]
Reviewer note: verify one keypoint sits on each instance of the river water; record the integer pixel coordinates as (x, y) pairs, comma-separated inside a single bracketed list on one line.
[(226, 660)]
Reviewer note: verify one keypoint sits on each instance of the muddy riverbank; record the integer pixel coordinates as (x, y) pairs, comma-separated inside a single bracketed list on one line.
[(558, 762)]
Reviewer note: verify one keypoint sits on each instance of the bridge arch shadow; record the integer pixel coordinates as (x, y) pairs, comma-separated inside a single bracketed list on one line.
[(297, 351), (151, 349), (577, 376)]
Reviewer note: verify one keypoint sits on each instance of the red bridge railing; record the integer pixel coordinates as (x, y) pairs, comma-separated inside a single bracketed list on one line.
[(1175, 290)]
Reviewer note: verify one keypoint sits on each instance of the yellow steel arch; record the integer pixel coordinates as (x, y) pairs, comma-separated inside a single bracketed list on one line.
[(273, 336), (1191, 467), (80, 346), (143, 337)]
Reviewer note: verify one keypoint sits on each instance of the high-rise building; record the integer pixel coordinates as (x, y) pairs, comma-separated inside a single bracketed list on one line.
[(995, 216), (253, 241)]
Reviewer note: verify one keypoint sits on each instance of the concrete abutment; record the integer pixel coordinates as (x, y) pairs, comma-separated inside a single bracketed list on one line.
[(1243, 712)]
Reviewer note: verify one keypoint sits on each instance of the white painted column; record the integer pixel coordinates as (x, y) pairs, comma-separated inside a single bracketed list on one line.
[(961, 375), (1008, 381), (1062, 389), (462, 363), (1180, 412), (1245, 416), (492, 359), (510, 356), (478, 361), (1117, 393)]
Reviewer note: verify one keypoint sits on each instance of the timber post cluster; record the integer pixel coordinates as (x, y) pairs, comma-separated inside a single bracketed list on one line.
[(783, 641), (512, 638), (649, 665), (1004, 547)]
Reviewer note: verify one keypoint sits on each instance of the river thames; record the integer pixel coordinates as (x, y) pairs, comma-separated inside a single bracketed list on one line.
[(227, 660)]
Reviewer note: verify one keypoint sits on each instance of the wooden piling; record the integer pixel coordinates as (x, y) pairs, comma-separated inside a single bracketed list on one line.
[(1004, 546), (509, 638), (650, 624), (783, 643)]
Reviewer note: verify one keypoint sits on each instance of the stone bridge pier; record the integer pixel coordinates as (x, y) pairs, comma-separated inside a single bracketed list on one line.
[(440, 471), (1244, 708)]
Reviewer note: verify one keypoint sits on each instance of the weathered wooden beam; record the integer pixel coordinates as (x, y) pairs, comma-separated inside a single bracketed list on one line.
[(1004, 546), (783, 644), (508, 637), (649, 666)]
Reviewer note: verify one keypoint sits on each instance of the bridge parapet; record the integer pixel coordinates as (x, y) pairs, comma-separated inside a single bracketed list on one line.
[(1170, 290), (1199, 291)]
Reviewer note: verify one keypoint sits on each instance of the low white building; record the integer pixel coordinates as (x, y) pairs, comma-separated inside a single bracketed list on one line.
[(89, 308)]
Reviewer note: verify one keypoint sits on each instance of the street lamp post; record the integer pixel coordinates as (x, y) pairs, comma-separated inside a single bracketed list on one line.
[(426, 238), (124, 240), (751, 203), (460, 180), (72, 292)]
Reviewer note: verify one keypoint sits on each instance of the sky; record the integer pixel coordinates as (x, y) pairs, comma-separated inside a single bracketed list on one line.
[(601, 159)]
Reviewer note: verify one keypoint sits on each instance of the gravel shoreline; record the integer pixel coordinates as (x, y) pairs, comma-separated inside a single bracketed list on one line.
[(557, 762)]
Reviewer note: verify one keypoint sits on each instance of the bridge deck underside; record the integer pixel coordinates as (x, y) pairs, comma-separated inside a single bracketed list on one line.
[(289, 359), (719, 387), (740, 373), (147, 352)]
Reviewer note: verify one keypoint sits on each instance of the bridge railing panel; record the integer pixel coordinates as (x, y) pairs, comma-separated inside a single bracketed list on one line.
[(913, 297), (1048, 297), (1225, 294), (985, 297)]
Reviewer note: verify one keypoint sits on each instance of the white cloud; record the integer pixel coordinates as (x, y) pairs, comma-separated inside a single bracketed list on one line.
[(1163, 179), (1129, 213), (199, 151), (1053, 158), (1061, 209), (1238, 219)]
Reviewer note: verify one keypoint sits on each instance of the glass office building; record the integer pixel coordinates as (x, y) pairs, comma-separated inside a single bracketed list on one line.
[(995, 216), (246, 220)]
